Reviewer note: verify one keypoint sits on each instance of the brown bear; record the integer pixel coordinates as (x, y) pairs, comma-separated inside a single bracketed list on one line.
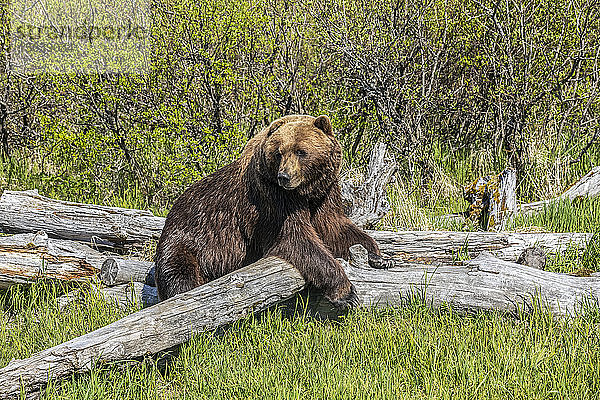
[(280, 198)]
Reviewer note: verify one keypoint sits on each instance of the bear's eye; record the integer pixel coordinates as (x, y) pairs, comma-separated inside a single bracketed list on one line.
[(300, 153)]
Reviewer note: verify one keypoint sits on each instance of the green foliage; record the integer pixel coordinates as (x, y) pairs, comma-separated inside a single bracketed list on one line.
[(458, 91)]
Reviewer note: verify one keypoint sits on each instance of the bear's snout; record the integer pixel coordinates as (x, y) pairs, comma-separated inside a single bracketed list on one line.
[(283, 178)]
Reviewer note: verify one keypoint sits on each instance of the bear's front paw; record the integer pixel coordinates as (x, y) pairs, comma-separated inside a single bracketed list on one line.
[(379, 262), (347, 301)]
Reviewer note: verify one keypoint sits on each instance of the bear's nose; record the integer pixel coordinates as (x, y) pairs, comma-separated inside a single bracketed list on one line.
[(283, 178)]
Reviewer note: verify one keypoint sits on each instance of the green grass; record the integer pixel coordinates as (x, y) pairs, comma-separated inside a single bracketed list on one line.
[(409, 353), (32, 321), (581, 215)]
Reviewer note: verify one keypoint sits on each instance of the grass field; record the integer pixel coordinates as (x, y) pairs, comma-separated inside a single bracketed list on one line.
[(411, 352)]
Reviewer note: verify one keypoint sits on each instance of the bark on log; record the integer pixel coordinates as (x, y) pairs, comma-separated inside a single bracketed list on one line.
[(27, 257), (485, 283), (586, 187), (444, 246), (162, 326), (366, 204), (97, 225)]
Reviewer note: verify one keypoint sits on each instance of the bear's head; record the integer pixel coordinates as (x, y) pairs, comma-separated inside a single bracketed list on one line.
[(300, 154)]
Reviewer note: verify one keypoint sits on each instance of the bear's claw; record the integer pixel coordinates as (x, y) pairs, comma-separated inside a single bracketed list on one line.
[(349, 301), (379, 262)]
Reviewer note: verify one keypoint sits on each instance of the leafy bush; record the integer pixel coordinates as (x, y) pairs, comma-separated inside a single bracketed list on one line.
[(455, 88)]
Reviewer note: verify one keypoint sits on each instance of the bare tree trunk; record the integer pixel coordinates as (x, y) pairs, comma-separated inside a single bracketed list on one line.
[(503, 200), (366, 204)]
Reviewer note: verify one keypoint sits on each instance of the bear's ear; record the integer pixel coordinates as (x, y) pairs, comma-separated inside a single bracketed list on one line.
[(274, 126), (323, 123)]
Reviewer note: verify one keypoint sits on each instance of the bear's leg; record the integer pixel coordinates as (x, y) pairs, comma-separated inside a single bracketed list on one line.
[(176, 272), (299, 244), (343, 234)]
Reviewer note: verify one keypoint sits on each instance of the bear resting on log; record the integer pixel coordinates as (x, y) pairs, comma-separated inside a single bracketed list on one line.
[(280, 198)]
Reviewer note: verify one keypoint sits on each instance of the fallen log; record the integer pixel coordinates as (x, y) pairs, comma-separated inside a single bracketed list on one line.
[(27, 257), (27, 211), (445, 246), (485, 283), (124, 295), (117, 271), (587, 187), (408, 246), (156, 328), (416, 246)]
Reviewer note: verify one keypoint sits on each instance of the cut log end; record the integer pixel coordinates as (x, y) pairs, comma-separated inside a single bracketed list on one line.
[(108, 272)]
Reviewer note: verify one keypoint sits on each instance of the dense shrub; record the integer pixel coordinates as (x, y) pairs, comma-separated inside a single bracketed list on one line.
[(455, 87)]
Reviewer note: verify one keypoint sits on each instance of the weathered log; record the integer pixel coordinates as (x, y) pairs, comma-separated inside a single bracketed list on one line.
[(587, 187), (485, 283), (162, 326), (124, 295), (116, 271), (506, 246), (27, 211), (366, 204), (27, 257), (444, 246), (417, 246)]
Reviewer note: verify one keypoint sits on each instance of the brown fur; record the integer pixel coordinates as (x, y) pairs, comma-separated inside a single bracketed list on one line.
[(280, 198)]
